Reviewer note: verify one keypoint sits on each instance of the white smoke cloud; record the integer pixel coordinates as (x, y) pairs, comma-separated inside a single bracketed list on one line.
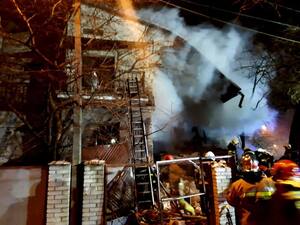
[(168, 106), (186, 75)]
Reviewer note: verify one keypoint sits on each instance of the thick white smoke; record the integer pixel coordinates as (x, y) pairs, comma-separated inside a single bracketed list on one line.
[(183, 93)]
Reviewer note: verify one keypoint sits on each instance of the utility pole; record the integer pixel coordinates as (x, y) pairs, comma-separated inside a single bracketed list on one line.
[(77, 119)]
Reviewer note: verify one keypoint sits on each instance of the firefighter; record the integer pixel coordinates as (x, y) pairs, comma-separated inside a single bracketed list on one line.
[(168, 157), (232, 146), (287, 152), (265, 160), (284, 206), (244, 193), (177, 183)]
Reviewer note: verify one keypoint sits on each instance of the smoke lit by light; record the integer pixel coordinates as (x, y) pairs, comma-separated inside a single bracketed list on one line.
[(191, 73), (264, 128), (130, 18)]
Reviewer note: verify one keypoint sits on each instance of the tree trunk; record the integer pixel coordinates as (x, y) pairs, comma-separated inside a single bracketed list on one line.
[(294, 138)]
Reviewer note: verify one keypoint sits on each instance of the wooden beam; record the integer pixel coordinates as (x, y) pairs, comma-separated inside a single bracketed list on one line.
[(99, 44)]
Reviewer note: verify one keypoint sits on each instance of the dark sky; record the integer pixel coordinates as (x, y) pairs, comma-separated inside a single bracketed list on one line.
[(264, 16)]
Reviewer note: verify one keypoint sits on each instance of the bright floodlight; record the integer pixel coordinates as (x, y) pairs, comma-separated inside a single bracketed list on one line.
[(264, 128), (113, 141)]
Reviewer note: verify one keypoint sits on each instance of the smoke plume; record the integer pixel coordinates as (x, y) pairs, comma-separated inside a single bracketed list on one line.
[(187, 86)]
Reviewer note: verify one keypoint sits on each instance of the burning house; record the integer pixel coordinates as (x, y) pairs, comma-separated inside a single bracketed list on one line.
[(89, 95)]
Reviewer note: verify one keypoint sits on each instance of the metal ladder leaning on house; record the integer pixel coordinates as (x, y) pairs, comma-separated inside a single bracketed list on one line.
[(142, 170)]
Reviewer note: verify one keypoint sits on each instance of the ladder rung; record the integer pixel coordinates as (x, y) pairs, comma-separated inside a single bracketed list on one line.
[(143, 183), (139, 150), (145, 201), (137, 115), (139, 143), (142, 175), (138, 131), (144, 192), (141, 159)]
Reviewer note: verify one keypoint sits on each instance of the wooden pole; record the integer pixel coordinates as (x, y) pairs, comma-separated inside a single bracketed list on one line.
[(77, 129), (75, 208)]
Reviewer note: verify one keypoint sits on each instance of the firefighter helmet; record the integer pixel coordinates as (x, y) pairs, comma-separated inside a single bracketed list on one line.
[(249, 162), (235, 141), (285, 169), (265, 158), (168, 157), (210, 155)]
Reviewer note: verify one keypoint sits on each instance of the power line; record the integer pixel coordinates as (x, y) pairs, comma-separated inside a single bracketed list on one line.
[(233, 24), (240, 14), (285, 7)]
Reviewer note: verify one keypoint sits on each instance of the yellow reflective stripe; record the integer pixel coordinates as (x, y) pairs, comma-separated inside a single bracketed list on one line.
[(268, 194), (297, 204), (292, 195), (264, 194), (260, 194), (250, 194)]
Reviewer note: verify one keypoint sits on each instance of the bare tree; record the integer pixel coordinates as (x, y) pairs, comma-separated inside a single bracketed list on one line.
[(277, 65), (37, 54)]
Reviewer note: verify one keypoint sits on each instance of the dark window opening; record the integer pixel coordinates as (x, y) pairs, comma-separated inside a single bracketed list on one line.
[(97, 70), (107, 134)]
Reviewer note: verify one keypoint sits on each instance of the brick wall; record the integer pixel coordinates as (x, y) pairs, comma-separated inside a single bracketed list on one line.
[(93, 192), (58, 193), (221, 179)]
